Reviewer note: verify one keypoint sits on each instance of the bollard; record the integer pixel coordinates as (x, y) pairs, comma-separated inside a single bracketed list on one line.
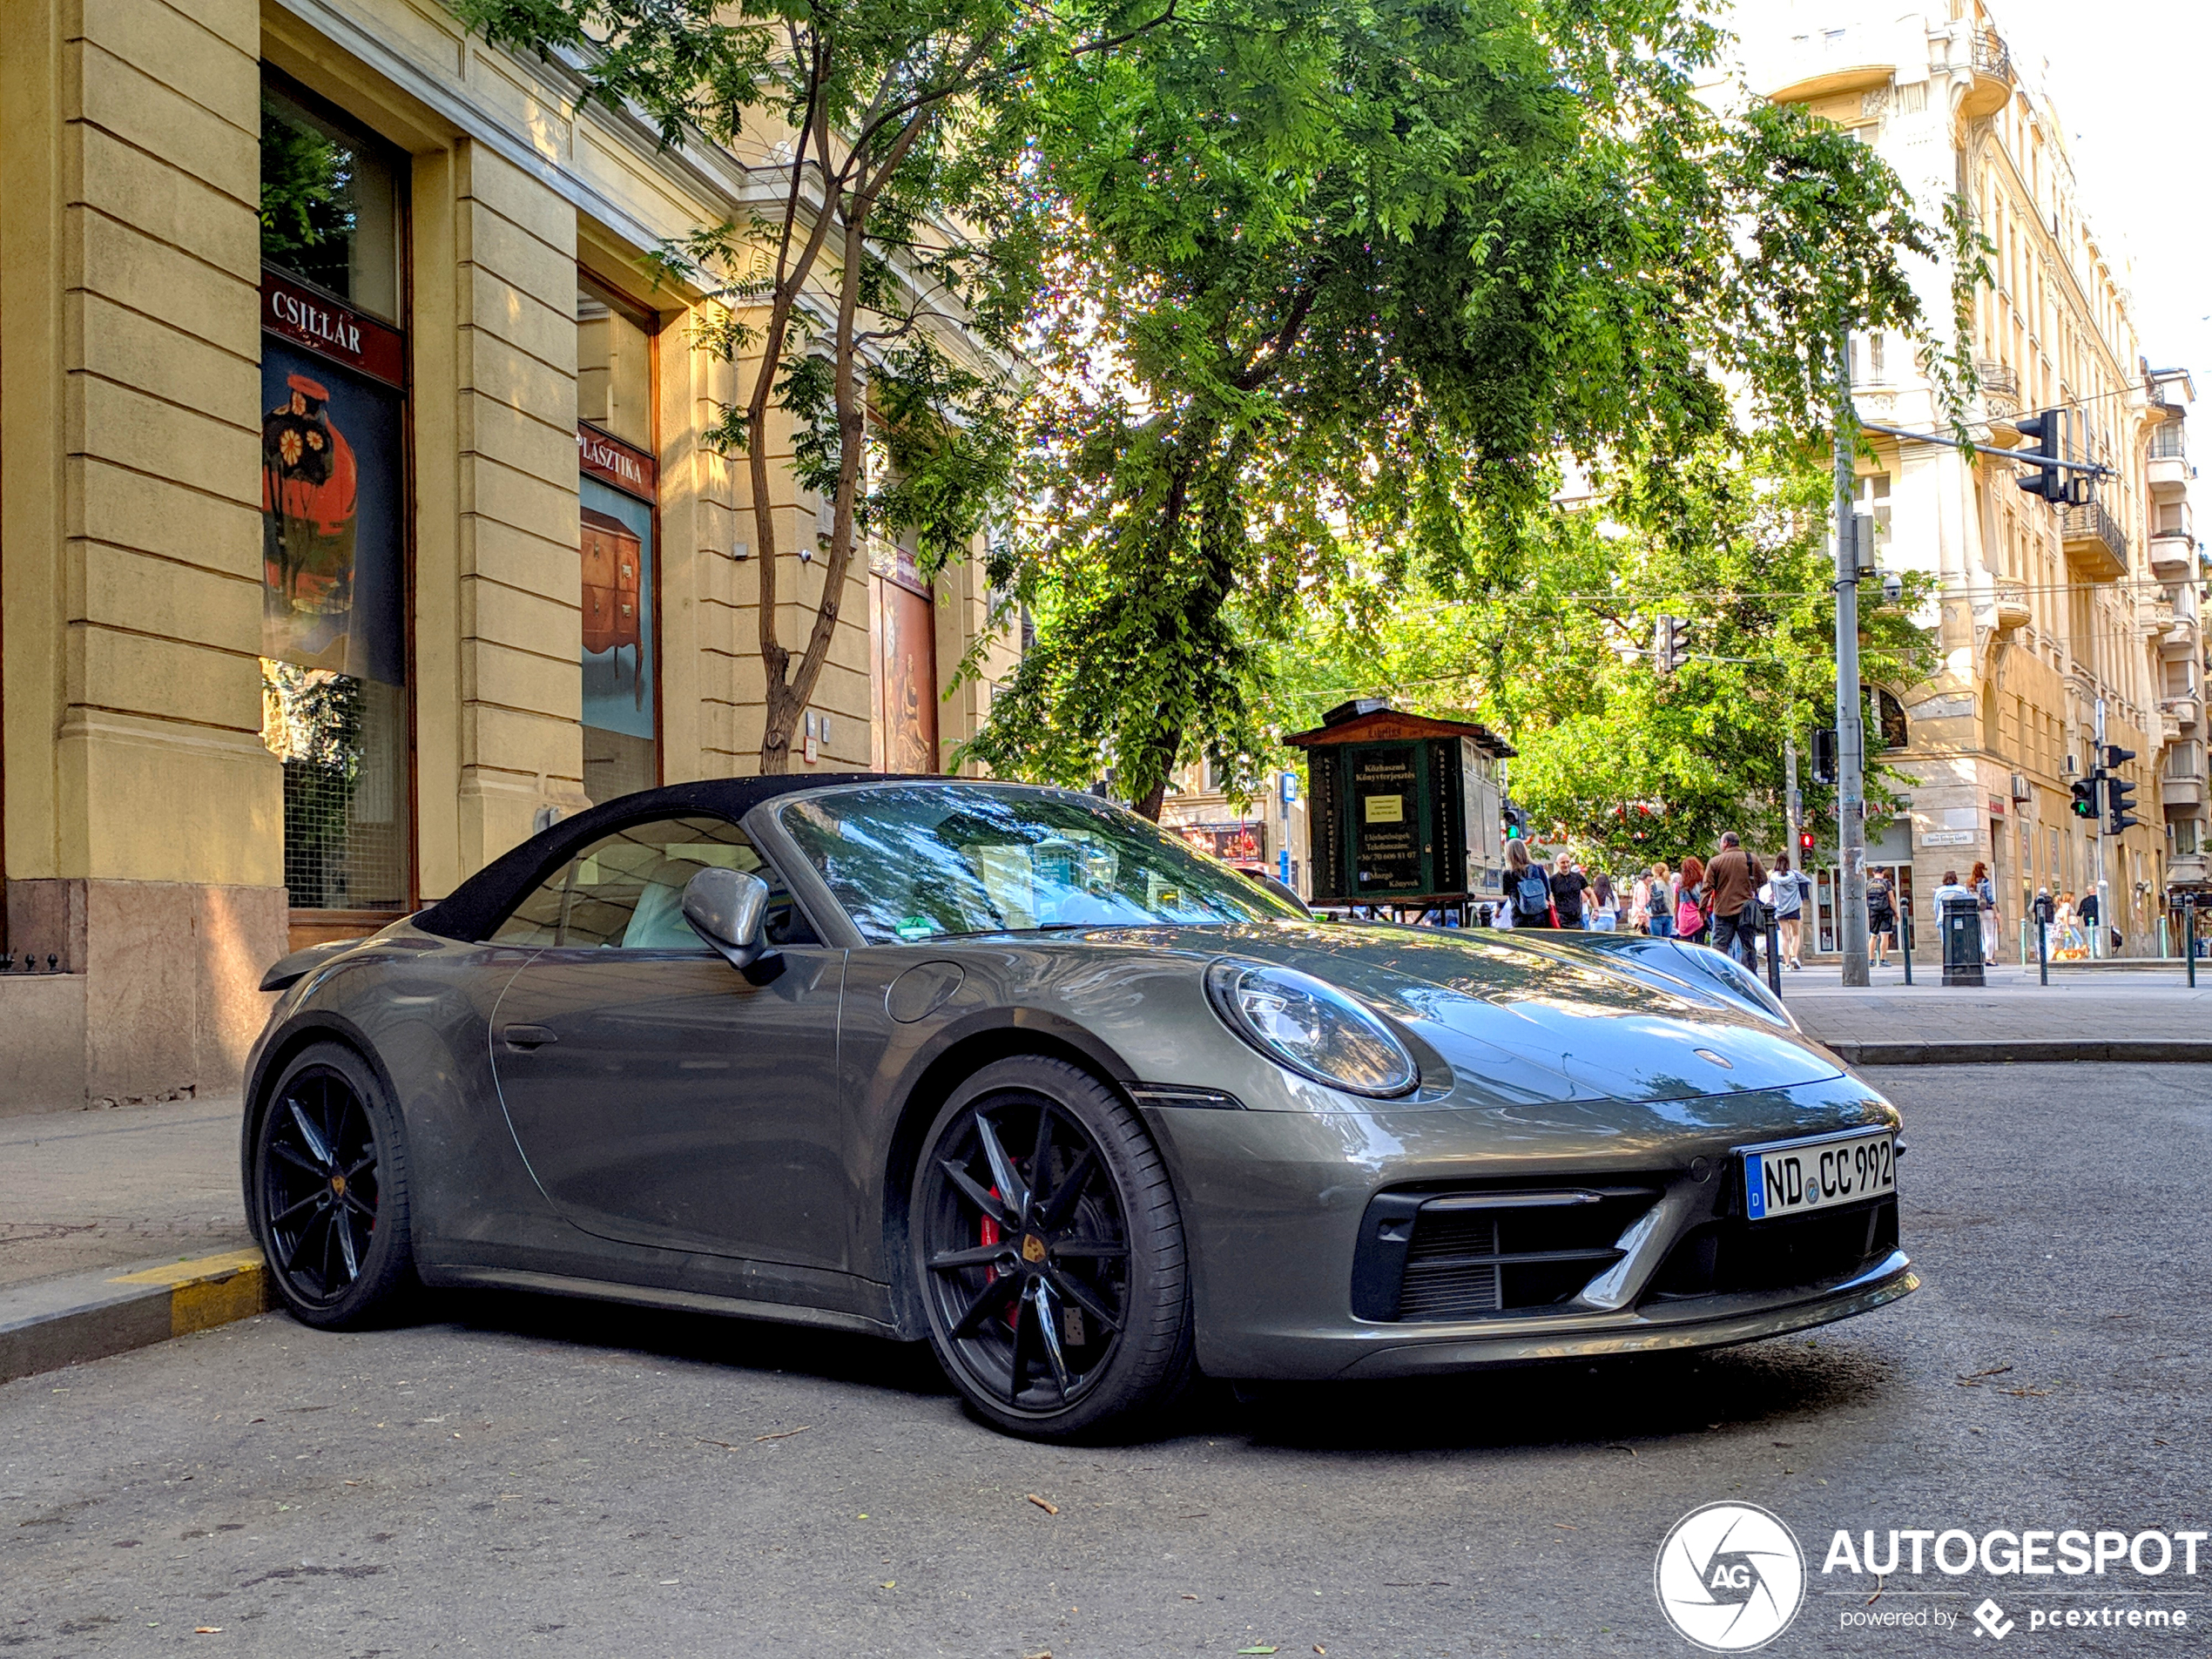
[(2188, 934), (1905, 935), (1961, 933), (1773, 950), (2042, 950)]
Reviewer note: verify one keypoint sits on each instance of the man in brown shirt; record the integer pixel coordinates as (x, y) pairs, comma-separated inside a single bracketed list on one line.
[(1733, 879)]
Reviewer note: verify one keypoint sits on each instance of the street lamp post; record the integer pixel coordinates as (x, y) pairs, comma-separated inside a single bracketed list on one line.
[(1850, 815)]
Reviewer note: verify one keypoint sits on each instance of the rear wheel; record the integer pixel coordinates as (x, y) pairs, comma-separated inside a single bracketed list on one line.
[(1049, 1252), (330, 1192)]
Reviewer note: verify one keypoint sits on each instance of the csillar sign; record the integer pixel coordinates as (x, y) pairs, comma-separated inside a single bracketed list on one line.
[(309, 318)]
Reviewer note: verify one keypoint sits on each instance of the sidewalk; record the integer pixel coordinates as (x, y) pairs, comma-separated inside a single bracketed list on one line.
[(2142, 1012)]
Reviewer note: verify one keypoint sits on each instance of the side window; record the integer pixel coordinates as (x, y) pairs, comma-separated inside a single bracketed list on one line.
[(626, 891)]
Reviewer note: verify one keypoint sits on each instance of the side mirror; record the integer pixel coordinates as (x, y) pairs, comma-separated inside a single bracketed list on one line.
[(729, 909)]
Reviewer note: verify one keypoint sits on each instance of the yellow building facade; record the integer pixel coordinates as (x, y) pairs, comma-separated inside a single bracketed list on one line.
[(355, 517), (2044, 612)]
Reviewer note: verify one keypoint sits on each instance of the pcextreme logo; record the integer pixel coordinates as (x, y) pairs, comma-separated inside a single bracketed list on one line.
[(1730, 1577)]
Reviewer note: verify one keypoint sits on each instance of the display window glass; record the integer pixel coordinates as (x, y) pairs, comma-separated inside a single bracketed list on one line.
[(617, 536), (334, 509)]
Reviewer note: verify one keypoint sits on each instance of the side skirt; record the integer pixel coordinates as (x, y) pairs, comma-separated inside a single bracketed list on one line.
[(509, 1278)]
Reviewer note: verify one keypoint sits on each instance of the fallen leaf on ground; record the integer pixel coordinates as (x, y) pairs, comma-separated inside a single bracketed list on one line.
[(1255, 1651), (1630, 1450), (207, 1629), (1188, 1596), (2024, 1392), (1971, 1378), (782, 1434), (1563, 1527), (1049, 1508), (890, 1583)]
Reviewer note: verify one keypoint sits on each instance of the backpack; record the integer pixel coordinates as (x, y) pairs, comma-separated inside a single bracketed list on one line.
[(1688, 917), (1532, 894)]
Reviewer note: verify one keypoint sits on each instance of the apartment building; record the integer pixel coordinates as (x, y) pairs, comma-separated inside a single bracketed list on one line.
[(355, 513), (2045, 614)]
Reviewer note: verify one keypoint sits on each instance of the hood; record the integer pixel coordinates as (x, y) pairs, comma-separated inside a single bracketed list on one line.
[(1522, 1019)]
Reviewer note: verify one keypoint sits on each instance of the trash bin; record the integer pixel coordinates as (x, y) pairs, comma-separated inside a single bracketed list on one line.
[(1961, 926)]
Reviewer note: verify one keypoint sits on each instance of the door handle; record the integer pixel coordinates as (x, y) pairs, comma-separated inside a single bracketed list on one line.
[(526, 1036)]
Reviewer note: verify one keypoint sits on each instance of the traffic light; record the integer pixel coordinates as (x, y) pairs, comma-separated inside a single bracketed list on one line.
[(2045, 432), (1670, 644), (1517, 822), (1804, 844), (1823, 755), (2119, 794), (2085, 798)]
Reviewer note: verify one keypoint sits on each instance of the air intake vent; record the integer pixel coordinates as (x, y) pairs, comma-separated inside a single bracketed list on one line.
[(1427, 1256)]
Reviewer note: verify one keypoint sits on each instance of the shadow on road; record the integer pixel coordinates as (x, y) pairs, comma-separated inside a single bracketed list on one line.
[(1609, 1403)]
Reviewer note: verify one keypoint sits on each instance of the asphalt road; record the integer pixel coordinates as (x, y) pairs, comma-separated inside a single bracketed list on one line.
[(533, 1476)]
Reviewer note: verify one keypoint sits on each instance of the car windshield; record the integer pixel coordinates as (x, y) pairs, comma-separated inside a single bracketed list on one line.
[(916, 861)]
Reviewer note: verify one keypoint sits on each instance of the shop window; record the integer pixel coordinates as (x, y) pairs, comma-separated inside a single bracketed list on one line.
[(333, 508), (618, 488)]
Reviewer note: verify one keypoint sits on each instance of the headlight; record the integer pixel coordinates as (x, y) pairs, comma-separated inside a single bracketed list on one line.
[(1311, 1027)]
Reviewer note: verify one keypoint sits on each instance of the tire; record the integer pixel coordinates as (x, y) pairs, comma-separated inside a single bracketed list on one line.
[(1066, 1316), (328, 1196)]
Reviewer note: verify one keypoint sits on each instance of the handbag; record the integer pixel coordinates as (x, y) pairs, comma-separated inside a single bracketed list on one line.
[(1688, 917)]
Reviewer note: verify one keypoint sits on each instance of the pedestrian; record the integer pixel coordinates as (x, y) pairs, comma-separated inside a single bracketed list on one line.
[(1689, 902), (1881, 917), (1528, 888), (1568, 884), (1790, 888), (2089, 910), (1986, 900), (1659, 909), (1733, 879), (1640, 903), (1603, 911)]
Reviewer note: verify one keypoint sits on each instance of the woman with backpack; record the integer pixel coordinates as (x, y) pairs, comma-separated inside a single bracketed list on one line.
[(1660, 908), (1528, 888), (1690, 919), (1985, 902)]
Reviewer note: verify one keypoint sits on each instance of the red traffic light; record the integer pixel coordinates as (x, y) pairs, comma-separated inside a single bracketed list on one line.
[(1804, 841)]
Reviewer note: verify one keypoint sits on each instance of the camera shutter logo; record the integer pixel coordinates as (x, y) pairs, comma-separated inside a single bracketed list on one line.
[(1730, 1577)]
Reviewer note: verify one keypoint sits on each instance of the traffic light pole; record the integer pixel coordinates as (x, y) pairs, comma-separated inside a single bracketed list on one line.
[(1851, 813), (2097, 934)]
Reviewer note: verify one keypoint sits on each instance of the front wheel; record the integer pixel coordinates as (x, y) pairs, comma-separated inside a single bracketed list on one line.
[(329, 1196), (1049, 1253)]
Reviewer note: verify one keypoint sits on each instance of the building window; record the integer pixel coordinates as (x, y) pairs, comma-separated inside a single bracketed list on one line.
[(1872, 495), (617, 491), (333, 508)]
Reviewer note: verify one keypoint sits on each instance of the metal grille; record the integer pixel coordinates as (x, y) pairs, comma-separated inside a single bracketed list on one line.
[(1796, 1251), (343, 742), (1473, 1254)]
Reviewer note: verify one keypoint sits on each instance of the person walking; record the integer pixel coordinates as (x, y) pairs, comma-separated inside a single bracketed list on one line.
[(1659, 908), (1790, 889), (1986, 900), (1603, 911), (1733, 879), (1689, 902), (1528, 888), (1568, 884), (1881, 916)]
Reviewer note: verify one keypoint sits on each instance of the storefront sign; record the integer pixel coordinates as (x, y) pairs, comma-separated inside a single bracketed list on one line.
[(613, 461), (300, 315)]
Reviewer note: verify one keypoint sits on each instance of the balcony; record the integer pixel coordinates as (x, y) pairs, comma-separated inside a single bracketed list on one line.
[(2178, 641), (2094, 544), (2013, 611), (2173, 542), (2167, 471), (2000, 402), (2180, 793), (1991, 79), (1822, 63), (2184, 711)]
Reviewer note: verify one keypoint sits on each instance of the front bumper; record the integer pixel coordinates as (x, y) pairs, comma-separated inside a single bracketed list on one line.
[(1275, 1205)]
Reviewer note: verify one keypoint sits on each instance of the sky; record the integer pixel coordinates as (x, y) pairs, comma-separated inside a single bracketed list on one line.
[(2128, 76)]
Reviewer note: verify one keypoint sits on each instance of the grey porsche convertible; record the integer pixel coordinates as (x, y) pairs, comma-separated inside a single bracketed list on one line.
[(1011, 1070)]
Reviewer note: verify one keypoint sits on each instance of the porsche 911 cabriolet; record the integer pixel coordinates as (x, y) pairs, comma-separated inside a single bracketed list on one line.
[(1010, 1070)]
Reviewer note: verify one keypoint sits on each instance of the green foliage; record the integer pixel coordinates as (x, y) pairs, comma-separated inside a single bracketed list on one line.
[(1615, 758), (871, 301), (307, 193), (1329, 289)]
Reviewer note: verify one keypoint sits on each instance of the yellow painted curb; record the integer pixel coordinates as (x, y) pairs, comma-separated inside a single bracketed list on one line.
[(210, 1292)]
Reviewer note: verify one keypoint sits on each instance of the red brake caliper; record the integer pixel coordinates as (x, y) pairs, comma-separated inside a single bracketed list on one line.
[(988, 1233)]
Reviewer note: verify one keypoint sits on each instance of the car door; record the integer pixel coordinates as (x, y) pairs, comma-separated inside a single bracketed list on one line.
[(659, 1096)]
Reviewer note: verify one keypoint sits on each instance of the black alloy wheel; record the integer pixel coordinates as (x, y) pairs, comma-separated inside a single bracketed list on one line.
[(1049, 1252), (330, 1212)]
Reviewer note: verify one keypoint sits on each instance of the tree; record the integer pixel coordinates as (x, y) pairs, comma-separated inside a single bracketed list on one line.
[(885, 132), (1615, 755), (1334, 288)]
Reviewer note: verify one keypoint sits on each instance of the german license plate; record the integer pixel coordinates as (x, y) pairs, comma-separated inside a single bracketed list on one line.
[(1790, 1177)]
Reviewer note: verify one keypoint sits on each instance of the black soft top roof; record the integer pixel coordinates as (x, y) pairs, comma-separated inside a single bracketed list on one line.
[(478, 905)]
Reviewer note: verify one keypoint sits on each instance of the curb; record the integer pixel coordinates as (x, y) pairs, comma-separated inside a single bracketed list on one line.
[(2138, 1051), (88, 1316)]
